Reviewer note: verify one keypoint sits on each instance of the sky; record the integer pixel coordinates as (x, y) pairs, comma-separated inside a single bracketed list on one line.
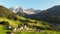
[(35, 4)]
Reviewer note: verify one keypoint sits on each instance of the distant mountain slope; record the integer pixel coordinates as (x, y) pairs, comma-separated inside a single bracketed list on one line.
[(20, 10), (53, 13)]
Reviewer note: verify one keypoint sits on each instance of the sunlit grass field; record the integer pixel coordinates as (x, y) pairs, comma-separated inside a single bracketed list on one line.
[(15, 23), (43, 32), (3, 30)]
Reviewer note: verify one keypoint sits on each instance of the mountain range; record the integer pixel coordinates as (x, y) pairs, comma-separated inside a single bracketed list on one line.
[(18, 9), (51, 15), (17, 19)]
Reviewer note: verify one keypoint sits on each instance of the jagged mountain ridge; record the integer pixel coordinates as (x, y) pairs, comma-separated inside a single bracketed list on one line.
[(18, 10)]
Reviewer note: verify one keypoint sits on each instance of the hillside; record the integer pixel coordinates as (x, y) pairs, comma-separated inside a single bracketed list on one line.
[(14, 23), (4, 12), (9, 21), (52, 15), (8, 18)]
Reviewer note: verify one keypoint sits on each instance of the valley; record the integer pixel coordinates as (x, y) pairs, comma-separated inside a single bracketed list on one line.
[(45, 22)]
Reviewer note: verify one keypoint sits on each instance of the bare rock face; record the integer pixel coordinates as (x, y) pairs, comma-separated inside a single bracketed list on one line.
[(18, 9)]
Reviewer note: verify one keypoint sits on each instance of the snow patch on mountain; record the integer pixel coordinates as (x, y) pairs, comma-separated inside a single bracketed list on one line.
[(18, 9)]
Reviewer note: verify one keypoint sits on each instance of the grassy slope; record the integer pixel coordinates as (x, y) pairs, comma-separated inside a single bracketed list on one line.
[(42, 32), (11, 22), (15, 23), (2, 30)]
